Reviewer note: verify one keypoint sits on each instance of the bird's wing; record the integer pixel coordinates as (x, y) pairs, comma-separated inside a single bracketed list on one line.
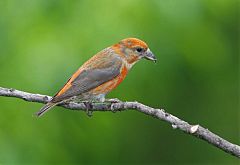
[(89, 78)]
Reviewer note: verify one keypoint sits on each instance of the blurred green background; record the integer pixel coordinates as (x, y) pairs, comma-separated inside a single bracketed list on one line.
[(42, 42)]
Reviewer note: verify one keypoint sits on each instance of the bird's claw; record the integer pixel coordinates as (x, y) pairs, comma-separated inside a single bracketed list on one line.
[(89, 113), (112, 108), (88, 106), (113, 100)]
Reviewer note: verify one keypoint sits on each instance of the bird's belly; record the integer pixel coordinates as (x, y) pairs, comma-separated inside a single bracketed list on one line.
[(98, 93)]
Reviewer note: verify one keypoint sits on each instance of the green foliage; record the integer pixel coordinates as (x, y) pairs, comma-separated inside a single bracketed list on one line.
[(42, 42)]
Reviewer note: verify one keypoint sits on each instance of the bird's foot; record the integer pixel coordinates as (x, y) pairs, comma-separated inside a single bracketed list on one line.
[(112, 108), (113, 100), (88, 106)]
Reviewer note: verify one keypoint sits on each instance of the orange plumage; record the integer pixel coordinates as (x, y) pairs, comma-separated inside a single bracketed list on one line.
[(101, 73)]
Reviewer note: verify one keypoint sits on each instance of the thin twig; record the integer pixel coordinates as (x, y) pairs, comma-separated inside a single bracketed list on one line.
[(195, 130)]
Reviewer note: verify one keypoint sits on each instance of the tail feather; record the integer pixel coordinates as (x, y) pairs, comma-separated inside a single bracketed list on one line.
[(45, 108)]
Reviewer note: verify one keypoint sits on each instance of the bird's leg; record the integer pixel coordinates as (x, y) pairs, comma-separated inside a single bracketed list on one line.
[(89, 106)]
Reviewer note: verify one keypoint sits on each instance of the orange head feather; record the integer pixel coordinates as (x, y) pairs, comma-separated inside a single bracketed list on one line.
[(133, 42), (133, 49)]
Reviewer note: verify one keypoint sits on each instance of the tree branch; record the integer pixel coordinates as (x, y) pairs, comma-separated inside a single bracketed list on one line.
[(195, 130)]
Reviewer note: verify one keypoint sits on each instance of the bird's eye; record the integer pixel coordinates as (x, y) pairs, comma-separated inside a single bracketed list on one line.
[(139, 50)]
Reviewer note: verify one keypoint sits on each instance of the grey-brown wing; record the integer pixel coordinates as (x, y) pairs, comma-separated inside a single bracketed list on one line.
[(90, 79)]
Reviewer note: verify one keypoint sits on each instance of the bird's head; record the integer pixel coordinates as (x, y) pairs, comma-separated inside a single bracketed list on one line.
[(133, 49)]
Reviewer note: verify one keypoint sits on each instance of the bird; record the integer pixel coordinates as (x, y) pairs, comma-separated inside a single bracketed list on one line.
[(101, 73)]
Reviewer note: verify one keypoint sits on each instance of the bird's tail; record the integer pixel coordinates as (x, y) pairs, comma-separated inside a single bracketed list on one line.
[(45, 108)]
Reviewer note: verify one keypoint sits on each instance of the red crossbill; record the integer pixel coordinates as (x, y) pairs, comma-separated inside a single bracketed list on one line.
[(101, 73)]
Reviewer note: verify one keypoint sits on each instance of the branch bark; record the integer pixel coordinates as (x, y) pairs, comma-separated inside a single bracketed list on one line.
[(195, 130)]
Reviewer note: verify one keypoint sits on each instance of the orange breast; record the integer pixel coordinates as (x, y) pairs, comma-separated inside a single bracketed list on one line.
[(110, 85)]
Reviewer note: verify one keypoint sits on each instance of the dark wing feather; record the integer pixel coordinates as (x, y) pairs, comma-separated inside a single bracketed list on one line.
[(91, 78)]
